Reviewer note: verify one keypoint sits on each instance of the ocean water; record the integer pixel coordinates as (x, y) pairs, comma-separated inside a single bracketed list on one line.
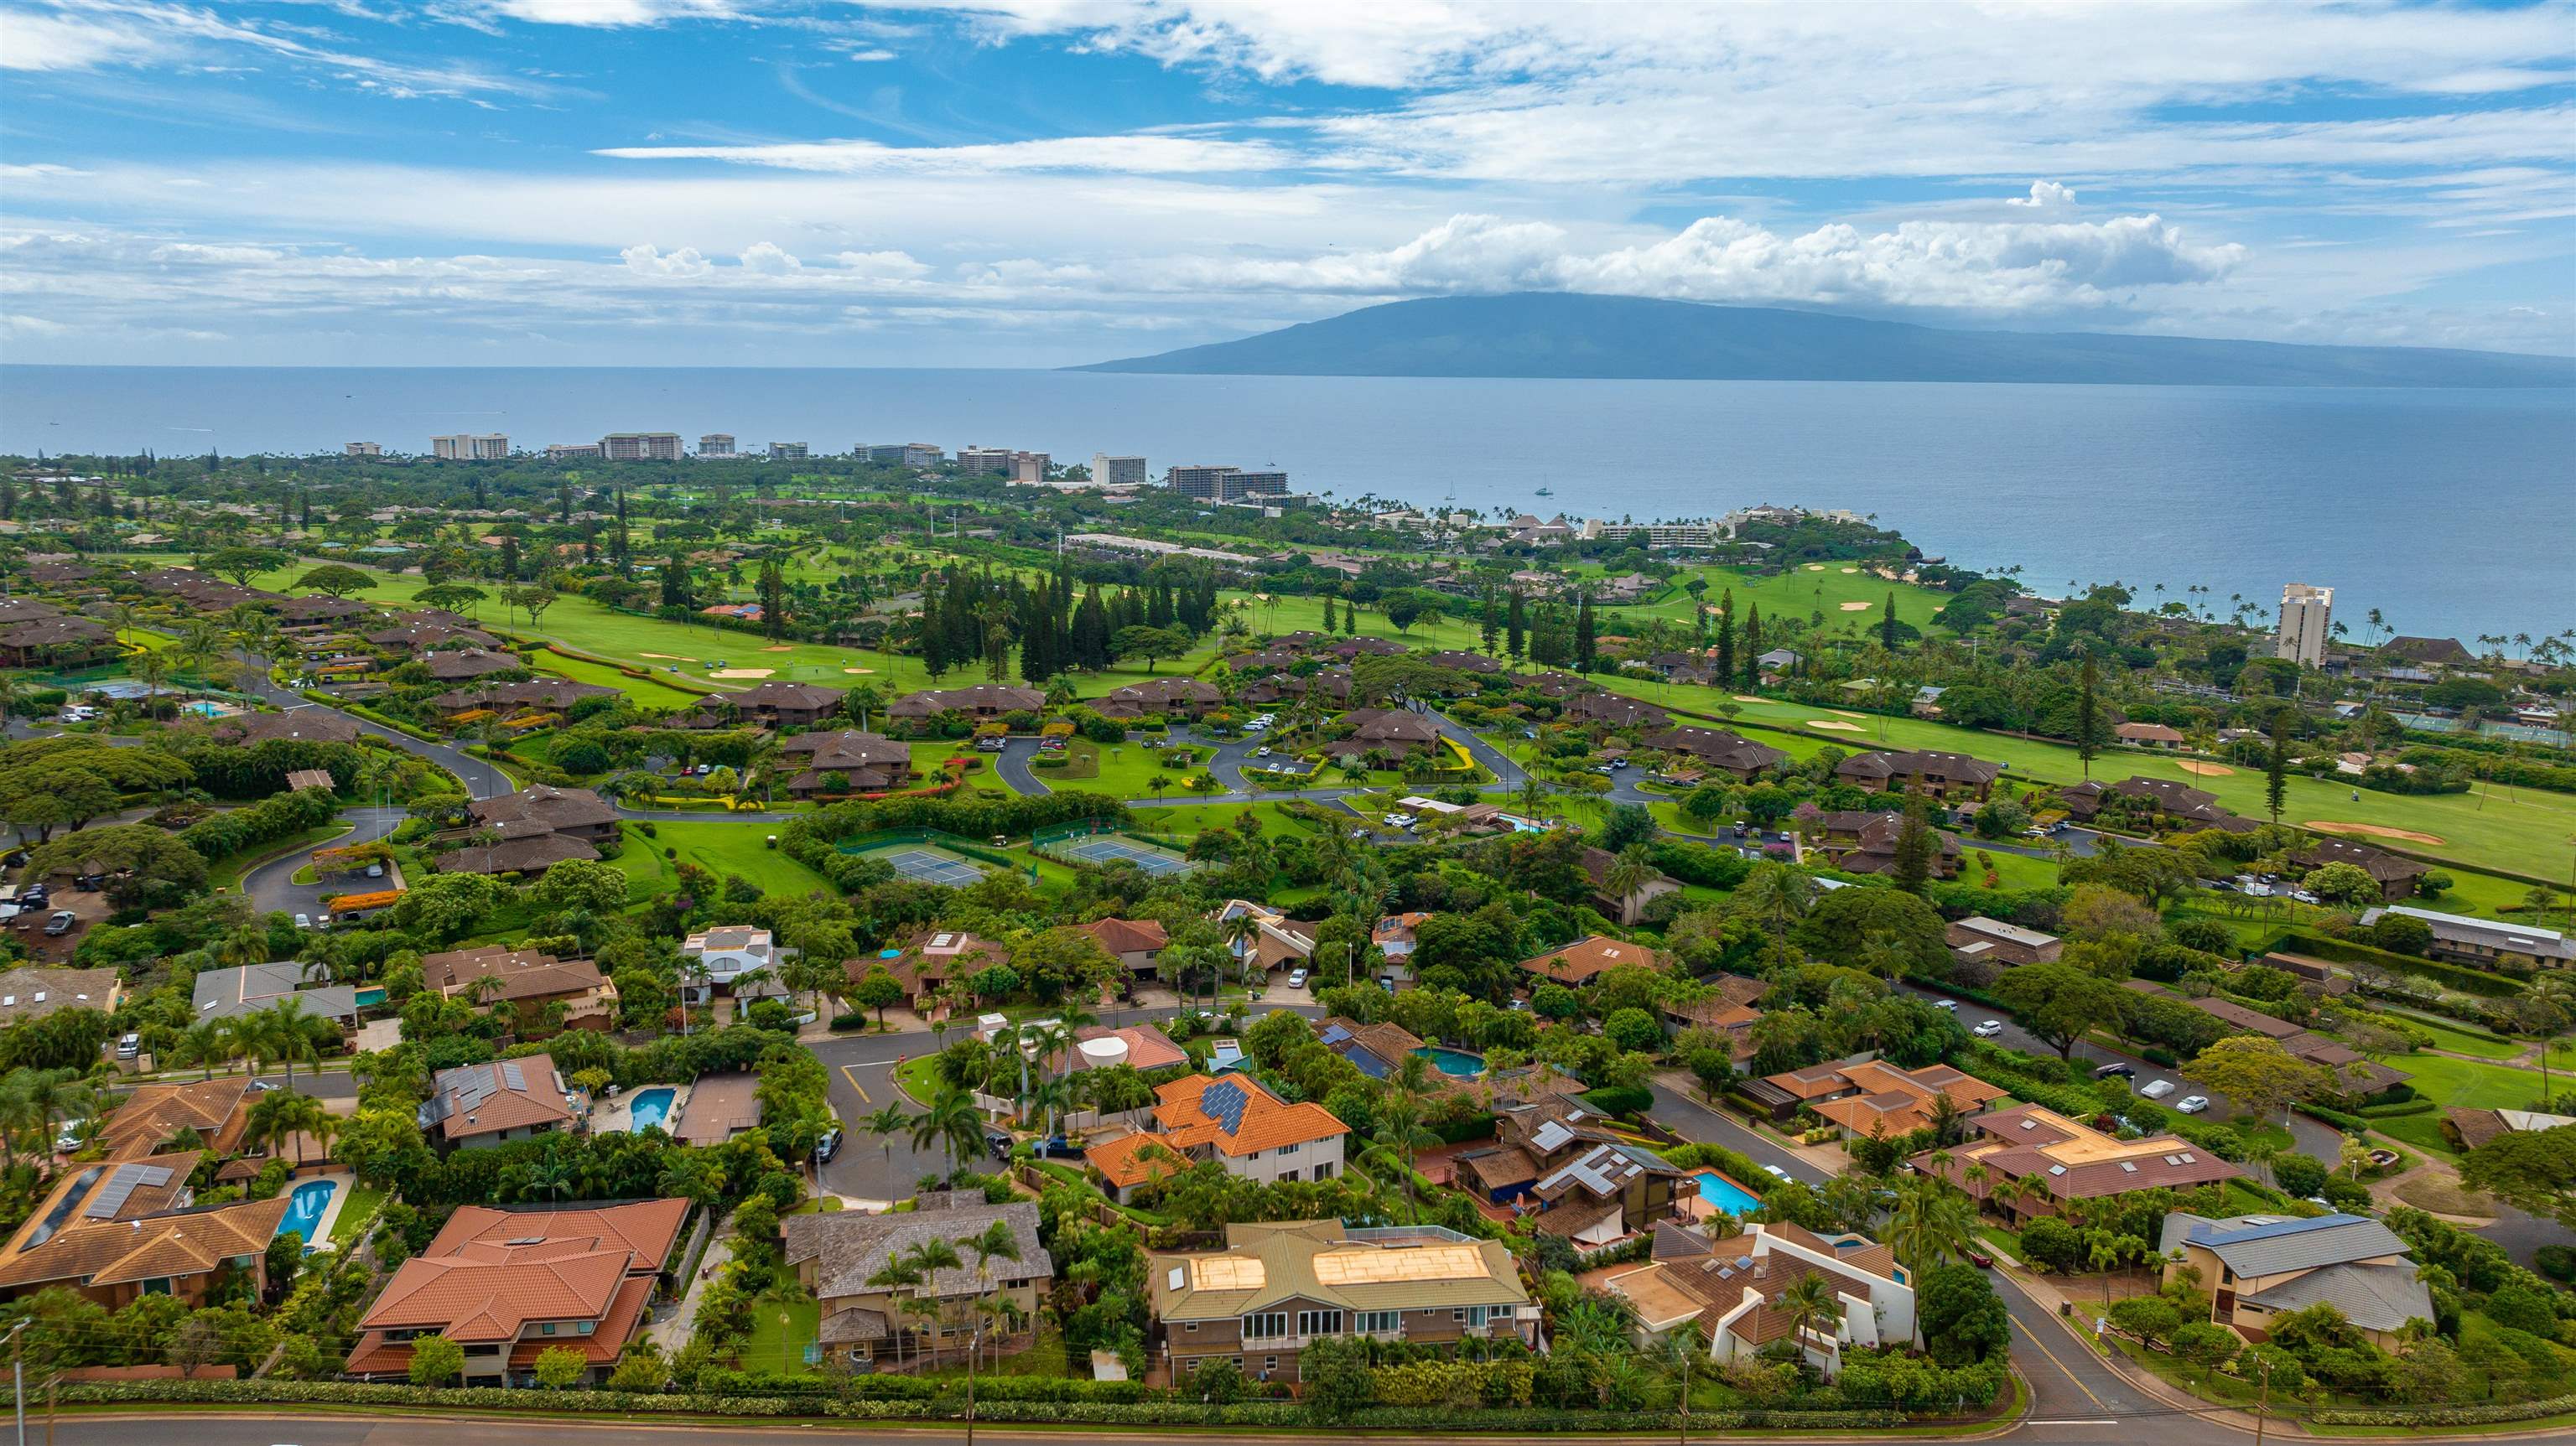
[(2450, 511)]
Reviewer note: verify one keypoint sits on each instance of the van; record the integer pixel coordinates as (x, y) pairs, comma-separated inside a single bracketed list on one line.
[(827, 1145), (129, 1047)]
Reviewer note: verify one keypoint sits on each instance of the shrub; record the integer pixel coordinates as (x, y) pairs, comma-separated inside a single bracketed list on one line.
[(2299, 1175), (2558, 1262), (2151, 1318), (1620, 1100), (2052, 1244)]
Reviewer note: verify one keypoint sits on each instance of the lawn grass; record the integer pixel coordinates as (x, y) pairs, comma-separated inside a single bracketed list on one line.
[(736, 848), (2460, 1041), (781, 1330), (918, 1077), (2471, 1084), (653, 694), (356, 1212)]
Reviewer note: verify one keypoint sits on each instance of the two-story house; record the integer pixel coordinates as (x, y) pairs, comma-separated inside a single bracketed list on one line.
[(1276, 1287), (1229, 1118), (2256, 1267), (716, 959), (1730, 1291), (476, 1105), (118, 1229), (876, 1324), (1557, 1161)]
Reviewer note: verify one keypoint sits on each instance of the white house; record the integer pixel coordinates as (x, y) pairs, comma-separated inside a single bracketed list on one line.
[(1733, 1287), (720, 956)]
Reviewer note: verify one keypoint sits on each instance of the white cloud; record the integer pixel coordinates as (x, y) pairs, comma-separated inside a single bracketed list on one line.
[(608, 12), (767, 259), (645, 259), (77, 35), (881, 265), (1132, 154)]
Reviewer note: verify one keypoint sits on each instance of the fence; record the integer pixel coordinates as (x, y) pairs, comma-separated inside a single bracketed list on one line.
[(887, 837)]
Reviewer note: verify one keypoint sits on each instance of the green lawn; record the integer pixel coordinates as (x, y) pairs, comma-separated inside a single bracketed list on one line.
[(2470, 1084), (2460, 1041), (781, 1331), (226, 872), (734, 847), (356, 1211), (2421, 1132), (655, 694)]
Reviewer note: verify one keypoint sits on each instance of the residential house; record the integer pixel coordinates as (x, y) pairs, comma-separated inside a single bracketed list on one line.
[(1615, 710), (1582, 961), (36, 642), (1187, 697), (1230, 1118), (1935, 774), (530, 982), (719, 1107), (2163, 800), (925, 967), (1556, 1161), (411, 639), (1625, 912), (2259, 1267), (1719, 750), (1865, 1096), (2062, 1160), (575, 812), (1138, 1046), (2486, 943), (251, 988), (1276, 942), (718, 958), (1860, 842), (2395, 874), (462, 664), (2427, 652), (477, 1105), (1729, 1291), (1137, 944), (27, 994), (2471, 1129), (1277, 1286), (2148, 735), (1394, 940), (1376, 1050), (784, 707), (983, 702), (1718, 1015), (846, 761), (2352, 1074), (216, 1111), (1391, 732), (532, 830), (1980, 940), (843, 1261), (127, 1227), (509, 1285), (1464, 662), (545, 695), (295, 725)]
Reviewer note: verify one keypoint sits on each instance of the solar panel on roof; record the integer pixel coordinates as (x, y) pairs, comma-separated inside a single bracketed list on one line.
[(111, 1197), (511, 1075), (1223, 1102)]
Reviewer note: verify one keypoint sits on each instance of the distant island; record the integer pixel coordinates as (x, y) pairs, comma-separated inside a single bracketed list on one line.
[(1552, 334)]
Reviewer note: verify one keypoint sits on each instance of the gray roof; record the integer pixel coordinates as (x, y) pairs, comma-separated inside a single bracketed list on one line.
[(2260, 1245), (2373, 1297), (249, 988), (849, 1248)]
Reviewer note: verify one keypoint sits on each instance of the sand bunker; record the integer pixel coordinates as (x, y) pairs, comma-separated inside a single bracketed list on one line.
[(1858, 607), (668, 657), (1835, 726), (742, 672), (1747, 698), (780, 648), (2206, 770), (1849, 571), (1845, 713), (1815, 567), (2372, 830), (858, 670)]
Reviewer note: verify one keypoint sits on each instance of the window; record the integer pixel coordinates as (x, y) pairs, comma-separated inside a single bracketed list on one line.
[(582, 1328), (1269, 1363), (1190, 1327), (1375, 1322), (1476, 1314), (1269, 1325), (1288, 1149), (1319, 1322), (546, 1329), (1457, 1315)]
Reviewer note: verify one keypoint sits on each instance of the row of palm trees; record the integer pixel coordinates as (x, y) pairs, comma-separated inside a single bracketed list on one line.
[(281, 1034)]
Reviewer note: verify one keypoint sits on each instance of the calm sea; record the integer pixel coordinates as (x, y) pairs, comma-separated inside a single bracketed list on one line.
[(2451, 511)]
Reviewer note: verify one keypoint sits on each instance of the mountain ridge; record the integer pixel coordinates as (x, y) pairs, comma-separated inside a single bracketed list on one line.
[(1574, 336)]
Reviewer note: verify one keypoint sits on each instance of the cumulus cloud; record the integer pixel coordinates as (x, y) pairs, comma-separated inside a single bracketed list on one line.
[(645, 259), (1133, 154), (767, 258)]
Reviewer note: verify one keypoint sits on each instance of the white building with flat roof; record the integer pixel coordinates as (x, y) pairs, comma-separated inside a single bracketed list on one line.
[(1108, 471), (2307, 620), (471, 447)]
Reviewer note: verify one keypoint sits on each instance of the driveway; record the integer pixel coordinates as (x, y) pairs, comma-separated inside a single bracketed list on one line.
[(481, 779), (272, 886)]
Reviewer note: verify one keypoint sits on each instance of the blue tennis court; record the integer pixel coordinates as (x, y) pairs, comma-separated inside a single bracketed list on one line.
[(1106, 848), (932, 868)]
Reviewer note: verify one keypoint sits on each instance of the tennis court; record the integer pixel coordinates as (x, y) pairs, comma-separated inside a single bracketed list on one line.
[(1109, 848), (916, 862)]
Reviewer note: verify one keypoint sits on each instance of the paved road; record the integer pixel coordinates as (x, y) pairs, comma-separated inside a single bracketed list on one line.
[(272, 886), (481, 779)]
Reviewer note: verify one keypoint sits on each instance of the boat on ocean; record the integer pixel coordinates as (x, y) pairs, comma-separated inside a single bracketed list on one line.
[(1546, 492)]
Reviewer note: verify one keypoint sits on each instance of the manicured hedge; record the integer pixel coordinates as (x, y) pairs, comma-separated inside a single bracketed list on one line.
[(2442, 972), (2448, 1415)]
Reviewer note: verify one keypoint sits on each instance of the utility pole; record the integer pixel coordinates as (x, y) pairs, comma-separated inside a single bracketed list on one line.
[(18, 1377), (2263, 1394)]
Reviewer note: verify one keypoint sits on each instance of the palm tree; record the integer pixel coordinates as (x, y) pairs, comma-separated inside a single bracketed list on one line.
[(951, 1121), (283, 1115), (925, 1261), (996, 1242), (896, 1275), (1630, 872), (2103, 1252), (207, 1042), (296, 1035), (886, 1122), (1932, 1224), (1807, 1300)]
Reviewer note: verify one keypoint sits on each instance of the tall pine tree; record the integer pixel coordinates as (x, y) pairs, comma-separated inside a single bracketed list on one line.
[(1492, 620), (1328, 614), (1726, 635), (2088, 716), (1587, 653), (1515, 626), (1752, 647), (2276, 766)]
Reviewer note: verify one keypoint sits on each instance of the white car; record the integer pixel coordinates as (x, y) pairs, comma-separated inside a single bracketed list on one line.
[(1951, 1005), (1989, 1029), (304, 921), (2156, 1089), (2192, 1104), (1261, 752), (1296, 978), (1776, 1173)]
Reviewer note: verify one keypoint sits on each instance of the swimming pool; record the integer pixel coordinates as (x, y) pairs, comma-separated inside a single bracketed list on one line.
[(204, 710), (304, 1208), (1724, 1194), (1453, 1061), (650, 1108)]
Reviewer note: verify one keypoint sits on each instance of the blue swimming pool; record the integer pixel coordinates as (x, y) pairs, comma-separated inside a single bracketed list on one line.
[(1453, 1061), (1724, 1194), (204, 710), (651, 1107), (304, 1208)]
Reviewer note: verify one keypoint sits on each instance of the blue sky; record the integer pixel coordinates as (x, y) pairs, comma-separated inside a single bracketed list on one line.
[(1035, 182)]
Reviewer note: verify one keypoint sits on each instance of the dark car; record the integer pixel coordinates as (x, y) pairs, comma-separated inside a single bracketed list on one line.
[(2124, 1071), (61, 923), (998, 1143), (1979, 1258)]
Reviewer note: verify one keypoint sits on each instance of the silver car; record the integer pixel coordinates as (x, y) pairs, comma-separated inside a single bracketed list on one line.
[(2157, 1089), (2192, 1104)]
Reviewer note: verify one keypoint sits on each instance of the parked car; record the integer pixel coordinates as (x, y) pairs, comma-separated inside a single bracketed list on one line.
[(61, 923), (1978, 1258), (2156, 1089), (1261, 752), (2124, 1071), (70, 1138), (262, 1086), (304, 921), (1297, 979), (35, 896), (375, 871), (1951, 1005), (828, 1144), (1988, 1029), (130, 1046), (2192, 1104), (1777, 1173)]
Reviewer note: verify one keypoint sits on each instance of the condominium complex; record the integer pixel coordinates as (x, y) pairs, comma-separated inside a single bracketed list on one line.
[(971, 458), (715, 444), (469, 447), (640, 447), (1111, 471), (1224, 484), (365, 449), (2307, 618), (573, 451), (901, 454), (786, 451), (1030, 466)]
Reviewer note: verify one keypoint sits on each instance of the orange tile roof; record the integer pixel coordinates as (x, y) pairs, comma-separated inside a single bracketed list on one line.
[(1127, 1162), (1580, 961), (646, 1227), (1266, 1122)]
